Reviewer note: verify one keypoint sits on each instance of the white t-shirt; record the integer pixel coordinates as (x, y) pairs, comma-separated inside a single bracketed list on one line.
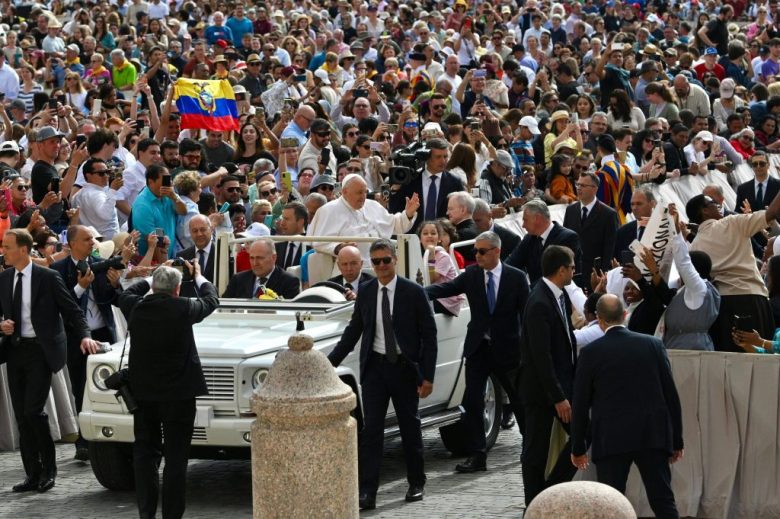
[(467, 50)]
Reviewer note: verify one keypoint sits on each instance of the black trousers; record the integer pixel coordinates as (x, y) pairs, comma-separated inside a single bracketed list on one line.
[(382, 382), (29, 382), (653, 465), (479, 367), (175, 420), (536, 444), (77, 371)]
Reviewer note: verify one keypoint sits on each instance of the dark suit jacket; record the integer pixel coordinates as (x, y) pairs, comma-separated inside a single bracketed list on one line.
[(448, 183), (509, 240), (624, 381), (164, 362), (104, 294), (747, 191), (364, 278), (413, 324), (467, 230), (597, 235), (188, 287), (527, 255), (546, 350), (504, 325), (51, 303), (625, 236), (281, 254), (242, 285)]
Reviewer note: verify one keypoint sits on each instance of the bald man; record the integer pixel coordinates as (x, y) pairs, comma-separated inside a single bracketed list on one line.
[(263, 276), (350, 265), (300, 125), (203, 251)]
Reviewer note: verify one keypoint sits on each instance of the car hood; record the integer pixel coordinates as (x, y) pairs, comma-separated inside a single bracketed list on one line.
[(251, 335)]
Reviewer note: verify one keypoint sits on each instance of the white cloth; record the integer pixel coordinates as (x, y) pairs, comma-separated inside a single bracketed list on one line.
[(135, 182), (379, 330), (337, 218), (695, 288), (26, 329), (97, 207), (589, 333)]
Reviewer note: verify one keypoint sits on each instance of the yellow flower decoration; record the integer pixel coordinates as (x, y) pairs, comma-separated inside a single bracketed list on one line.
[(269, 295)]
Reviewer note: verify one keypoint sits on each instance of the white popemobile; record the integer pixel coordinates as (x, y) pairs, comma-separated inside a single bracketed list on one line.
[(237, 346)]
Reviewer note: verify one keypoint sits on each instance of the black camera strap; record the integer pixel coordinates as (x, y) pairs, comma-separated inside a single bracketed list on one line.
[(124, 344)]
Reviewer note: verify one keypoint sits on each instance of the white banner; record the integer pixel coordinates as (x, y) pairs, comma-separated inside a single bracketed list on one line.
[(657, 238)]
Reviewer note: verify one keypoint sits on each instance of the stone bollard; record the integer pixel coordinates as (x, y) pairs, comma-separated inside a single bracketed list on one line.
[(580, 500), (304, 441)]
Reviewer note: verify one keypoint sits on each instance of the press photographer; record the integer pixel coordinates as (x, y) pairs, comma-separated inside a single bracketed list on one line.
[(165, 377)]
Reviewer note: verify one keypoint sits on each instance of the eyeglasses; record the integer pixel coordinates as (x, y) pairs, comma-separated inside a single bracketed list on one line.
[(583, 186), (326, 187), (271, 191), (22, 188), (386, 260), (104, 172), (759, 164), (482, 252), (233, 189), (438, 107), (305, 175)]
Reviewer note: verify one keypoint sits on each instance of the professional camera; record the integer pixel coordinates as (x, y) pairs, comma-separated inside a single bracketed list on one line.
[(408, 163), (180, 264), (120, 382), (115, 262)]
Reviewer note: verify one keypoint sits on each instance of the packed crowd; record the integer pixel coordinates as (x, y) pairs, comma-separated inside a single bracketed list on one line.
[(376, 119)]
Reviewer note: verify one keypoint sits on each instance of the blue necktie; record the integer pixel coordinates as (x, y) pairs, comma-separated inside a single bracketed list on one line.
[(491, 293), (430, 202)]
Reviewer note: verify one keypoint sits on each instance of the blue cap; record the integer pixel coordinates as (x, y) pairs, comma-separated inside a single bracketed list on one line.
[(710, 51)]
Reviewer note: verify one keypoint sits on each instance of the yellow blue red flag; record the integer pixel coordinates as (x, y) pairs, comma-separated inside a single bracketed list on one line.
[(206, 104)]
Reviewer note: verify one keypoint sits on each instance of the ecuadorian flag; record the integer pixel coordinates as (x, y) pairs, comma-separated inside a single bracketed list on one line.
[(207, 105)]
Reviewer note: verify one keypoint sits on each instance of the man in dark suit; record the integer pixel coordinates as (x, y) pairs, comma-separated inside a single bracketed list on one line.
[(542, 233), (293, 223), (35, 302), (642, 205), (762, 189), (397, 361), (460, 209), (483, 219), (497, 294), (625, 394), (203, 252), (350, 265), (432, 186), (264, 275), (548, 352), (165, 377), (596, 224), (95, 295)]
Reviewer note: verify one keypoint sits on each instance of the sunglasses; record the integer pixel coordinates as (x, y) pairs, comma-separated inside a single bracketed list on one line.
[(437, 107), (326, 187), (233, 190), (381, 261), (353, 134), (272, 191), (482, 252), (366, 146), (22, 188), (102, 173), (322, 134), (758, 164)]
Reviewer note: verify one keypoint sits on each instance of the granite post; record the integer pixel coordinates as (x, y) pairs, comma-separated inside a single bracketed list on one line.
[(580, 500), (304, 441)]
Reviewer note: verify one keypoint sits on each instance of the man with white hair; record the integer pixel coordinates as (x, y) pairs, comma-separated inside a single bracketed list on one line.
[(354, 215)]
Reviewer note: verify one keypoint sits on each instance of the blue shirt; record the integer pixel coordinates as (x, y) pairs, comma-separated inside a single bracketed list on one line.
[(239, 28), (149, 213), (214, 33), (295, 131)]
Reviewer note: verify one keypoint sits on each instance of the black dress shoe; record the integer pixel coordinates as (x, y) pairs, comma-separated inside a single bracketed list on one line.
[(472, 464), (508, 422), (367, 502), (46, 484), (82, 454), (415, 493), (27, 485)]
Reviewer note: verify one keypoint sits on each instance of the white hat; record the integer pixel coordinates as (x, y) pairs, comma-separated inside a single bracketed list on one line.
[(9, 146), (727, 87), (433, 126), (322, 75), (531, 123), (704, 135), (256, 230)]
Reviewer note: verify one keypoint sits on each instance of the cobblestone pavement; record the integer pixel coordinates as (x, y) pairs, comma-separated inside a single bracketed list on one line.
[(222, 489)]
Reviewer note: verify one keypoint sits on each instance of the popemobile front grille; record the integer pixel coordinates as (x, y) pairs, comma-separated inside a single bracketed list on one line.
[(221, 382)]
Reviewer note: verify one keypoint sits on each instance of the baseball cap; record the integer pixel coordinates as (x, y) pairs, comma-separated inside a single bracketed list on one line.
[(322, 75), (322, 180), (73, 47), (9, 146), (709, 51), (727, 87), (256, 230), (47, 132), (18, 103), (505, 159), (530, 123)]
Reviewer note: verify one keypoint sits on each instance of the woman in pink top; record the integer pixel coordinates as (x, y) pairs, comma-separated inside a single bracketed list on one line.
[(440, 265)]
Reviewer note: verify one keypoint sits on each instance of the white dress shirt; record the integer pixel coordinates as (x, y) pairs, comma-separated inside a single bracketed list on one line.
[(97, 207), (546, 233), (95, 319), (379, 331), (26, 330)]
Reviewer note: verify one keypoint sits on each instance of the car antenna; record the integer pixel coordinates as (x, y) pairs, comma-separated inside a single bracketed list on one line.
[(299, 326)]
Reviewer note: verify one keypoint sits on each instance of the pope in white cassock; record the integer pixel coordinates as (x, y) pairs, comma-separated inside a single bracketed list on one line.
[(353, 215)]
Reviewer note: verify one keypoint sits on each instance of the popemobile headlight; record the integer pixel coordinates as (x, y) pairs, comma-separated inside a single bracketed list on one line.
[(259, 377), (100, 374)]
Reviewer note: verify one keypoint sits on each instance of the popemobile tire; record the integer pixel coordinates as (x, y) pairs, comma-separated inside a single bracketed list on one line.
[(112, 464), (454, 435)]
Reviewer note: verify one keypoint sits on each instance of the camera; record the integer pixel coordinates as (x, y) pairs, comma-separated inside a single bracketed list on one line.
[(180, 264), (114, 262), (120, 382), (408, 163)]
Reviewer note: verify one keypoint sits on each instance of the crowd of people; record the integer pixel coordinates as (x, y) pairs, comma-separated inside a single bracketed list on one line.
[(373, 119)]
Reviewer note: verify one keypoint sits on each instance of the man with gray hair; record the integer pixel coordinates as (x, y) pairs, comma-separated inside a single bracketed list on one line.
[(497, 294), (263, 276), (460, 210), (483, 219), (167, 377), (542, 232)]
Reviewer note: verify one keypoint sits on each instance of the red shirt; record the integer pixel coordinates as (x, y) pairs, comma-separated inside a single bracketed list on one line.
[(718, 70)]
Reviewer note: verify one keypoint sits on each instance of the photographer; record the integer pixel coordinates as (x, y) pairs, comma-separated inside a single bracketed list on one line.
[(95, 292), (165, 378), (96, 204)]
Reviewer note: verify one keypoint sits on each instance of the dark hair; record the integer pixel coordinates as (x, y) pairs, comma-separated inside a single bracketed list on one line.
[(383, 244), (773, 276), (154, 172), (702, 263), (554, 257), (590, 302), (22, 236), (622, 109), (299, 211), (144, 144), (90, 163), (99, 138), (227, 178), (187, 145), (207, 203), (168, 145), (694, 207)]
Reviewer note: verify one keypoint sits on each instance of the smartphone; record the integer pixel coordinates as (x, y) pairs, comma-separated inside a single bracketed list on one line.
[(377, 146), (480, 73), (627, 257), (287, 181), (166, 180), (260, 111), (289, 142), (97, 104), (58, 247), (160, 236), (299, 78), (744, 323), (225, 207), (80, 139), (139, 125), (597, 262), (52, 103), (61, 99), (361, 92), (475, 126), (240, 97), (288, 101), (575, 118), (325, 156), (145, 133), (55, 185), (392, 128), (241, 179)]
